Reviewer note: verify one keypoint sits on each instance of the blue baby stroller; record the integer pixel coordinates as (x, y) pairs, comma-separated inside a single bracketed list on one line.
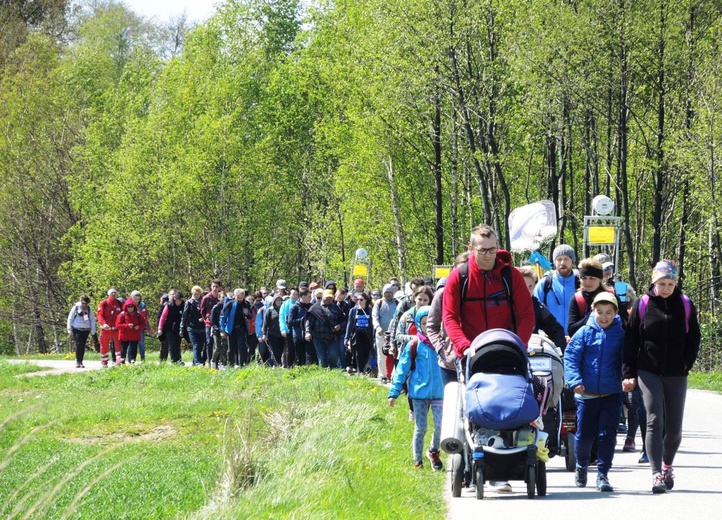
[(498, 401)]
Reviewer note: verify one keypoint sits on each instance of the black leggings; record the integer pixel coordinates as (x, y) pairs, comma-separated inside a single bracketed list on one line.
[(664, 399), (276, 344), (81, 338), (362, 350)]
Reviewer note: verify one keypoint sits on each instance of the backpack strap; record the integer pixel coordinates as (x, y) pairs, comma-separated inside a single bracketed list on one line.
[(581, 302), (687, 311), (464, 280), (412, 354), (548, 287)]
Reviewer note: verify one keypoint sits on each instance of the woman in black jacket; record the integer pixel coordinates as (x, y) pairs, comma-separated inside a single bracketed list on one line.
[(660, 347), (591, 278), (360, 331)]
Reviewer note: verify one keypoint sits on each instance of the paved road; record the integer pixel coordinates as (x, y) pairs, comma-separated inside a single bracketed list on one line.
[(697, 492)]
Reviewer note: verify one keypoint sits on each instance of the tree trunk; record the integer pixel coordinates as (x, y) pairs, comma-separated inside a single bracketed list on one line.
[(400, 241), (436, 139)]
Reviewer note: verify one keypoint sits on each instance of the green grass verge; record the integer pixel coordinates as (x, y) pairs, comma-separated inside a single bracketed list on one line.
[(155, 441), (706, 381)]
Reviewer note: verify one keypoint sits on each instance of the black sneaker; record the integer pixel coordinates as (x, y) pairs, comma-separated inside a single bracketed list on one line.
[(603, 483), (436, 463), (580, 477)]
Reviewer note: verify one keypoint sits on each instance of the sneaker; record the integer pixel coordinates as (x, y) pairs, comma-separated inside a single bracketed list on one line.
[(501, 486), (668, 476), (643, 459), (418, 465), (411, 416), (436, 463), (658, 485), (629, 445), (603, 483), (79, 365), (580, 477)]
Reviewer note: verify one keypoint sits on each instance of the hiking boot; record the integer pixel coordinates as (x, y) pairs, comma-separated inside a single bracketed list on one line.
[(418, 465), (629, 445), (658, 485), (668, 476), (580, 477), (643, 459), (436, 463), (603, 484)]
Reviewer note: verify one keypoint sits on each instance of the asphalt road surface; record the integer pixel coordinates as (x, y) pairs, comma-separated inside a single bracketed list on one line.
[(697, 492)]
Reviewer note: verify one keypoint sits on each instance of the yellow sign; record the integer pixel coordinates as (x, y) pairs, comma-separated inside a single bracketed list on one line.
[(360, 270), (441, 271), (601, 235)]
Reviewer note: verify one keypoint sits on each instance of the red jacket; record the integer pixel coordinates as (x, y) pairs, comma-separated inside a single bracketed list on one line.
[(207, 303), (463, 324), (127, 321), (108, 312)]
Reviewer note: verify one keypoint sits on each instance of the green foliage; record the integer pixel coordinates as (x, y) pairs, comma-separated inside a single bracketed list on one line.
[(283, 136)]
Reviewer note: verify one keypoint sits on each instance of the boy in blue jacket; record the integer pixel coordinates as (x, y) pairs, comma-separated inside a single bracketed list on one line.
[(593, 370), (419, 364)]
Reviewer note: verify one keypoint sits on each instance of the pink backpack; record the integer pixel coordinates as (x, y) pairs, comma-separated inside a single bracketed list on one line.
[(644, 300)]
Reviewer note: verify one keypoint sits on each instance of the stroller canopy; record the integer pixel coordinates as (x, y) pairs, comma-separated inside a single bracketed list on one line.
[(498, 351)]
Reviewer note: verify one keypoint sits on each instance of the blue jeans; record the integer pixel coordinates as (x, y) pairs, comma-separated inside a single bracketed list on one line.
[(198, 340), (598, 416), (141, 345), (341, 362), (421, 422), (327, 352)]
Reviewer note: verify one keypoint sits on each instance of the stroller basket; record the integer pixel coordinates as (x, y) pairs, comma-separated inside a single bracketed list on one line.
[(499, 392)]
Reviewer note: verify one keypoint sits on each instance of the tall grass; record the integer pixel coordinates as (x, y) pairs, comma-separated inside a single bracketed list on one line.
[(156, 441)]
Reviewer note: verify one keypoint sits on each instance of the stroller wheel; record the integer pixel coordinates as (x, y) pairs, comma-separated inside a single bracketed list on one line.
[(479, 473), (541, 478), (457, 474), (530, 481), (570, 459)]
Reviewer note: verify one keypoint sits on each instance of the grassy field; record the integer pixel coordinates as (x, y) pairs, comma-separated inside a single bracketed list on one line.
[(155, 441)]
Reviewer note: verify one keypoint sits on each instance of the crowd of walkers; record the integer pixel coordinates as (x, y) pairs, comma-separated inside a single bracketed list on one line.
[(413, 337)]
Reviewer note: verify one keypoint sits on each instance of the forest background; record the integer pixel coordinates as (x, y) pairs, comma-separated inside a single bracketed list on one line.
[(277, 137)]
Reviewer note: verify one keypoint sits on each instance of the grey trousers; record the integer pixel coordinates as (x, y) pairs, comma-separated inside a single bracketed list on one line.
[(664, 399)]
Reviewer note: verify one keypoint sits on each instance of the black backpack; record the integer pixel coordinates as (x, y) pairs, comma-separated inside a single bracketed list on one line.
[(506, 277)]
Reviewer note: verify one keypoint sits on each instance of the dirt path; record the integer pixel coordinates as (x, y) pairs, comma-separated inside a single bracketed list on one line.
[(56, 366)]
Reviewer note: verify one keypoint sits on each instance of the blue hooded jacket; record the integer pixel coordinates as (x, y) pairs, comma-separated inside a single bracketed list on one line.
[(557, 299), (425, 380), (594, 357)]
